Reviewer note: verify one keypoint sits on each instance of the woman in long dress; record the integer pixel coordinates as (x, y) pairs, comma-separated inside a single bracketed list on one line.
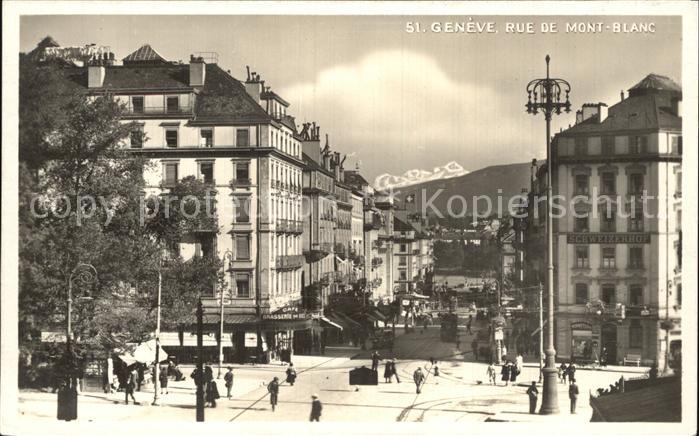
[(506, 369), (387, 372)]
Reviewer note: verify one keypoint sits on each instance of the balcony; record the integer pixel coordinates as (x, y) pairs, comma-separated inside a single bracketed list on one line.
[(282, 226), (294, 261), (145, 111), (376, 261), (240, 183), (289, 226), (341, 250)]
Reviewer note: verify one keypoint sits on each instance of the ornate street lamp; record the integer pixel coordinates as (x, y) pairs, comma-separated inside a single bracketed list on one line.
[(227, 261), (83, 274), (546, 95)]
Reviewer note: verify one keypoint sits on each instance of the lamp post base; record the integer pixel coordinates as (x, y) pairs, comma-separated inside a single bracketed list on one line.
[(549, 403)]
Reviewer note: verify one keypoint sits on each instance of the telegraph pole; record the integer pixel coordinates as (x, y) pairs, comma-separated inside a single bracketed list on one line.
[(200, 363), (541, 332)]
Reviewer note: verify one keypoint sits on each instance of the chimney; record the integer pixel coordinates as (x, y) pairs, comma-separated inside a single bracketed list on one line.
[(95, 74), (589, 110), (622, 95), (336, 165), (578, 117), (197, 71), (603, 111), (253, 85), (326, 154)]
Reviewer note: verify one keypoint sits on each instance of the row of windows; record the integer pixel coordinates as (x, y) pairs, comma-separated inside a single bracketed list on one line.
[(637, 144), (608, 218), (286, 177), (285, 142), (608, 294), (636, 184), (608, 258), (241, 171), (172, 137)]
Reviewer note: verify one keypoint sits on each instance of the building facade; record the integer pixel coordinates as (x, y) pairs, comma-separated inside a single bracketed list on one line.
[(618, 251)]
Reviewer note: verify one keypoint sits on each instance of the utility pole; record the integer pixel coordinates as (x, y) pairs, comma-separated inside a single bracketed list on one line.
[(227, 256), (541, 332), (547, 98), (200, 363), (156, 368)]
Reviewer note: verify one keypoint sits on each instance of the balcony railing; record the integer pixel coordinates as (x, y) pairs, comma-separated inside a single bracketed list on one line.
[(239, 183), (293, 261), (132, 110)]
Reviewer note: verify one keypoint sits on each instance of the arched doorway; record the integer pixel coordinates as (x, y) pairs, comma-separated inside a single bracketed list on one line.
[(609, 342)]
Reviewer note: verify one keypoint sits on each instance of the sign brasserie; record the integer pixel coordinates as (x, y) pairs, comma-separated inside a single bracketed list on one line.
[(287, 315), (609, 238)]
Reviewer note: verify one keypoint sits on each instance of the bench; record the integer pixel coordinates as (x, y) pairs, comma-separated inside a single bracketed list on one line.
[(632, 358)]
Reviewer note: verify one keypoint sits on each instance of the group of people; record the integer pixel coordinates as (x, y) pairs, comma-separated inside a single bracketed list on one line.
[(208, 383), (566, 373)]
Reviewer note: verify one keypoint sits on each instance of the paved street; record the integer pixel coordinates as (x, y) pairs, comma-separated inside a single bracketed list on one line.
[(459, 393)]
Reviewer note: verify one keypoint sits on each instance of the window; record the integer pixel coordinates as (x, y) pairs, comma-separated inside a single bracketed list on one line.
[(206, 172), (636, 295), (679, 294), (678, 184), (242, 138), (608, 183), (636, 184), (242, 247), (242, 172), (607, 219), (636, 218), (607, 145), (582, 183), (636, 257), (609, 257), (137, 137), (242, 285), (242, 208), (638, 144), (608, 295), (581, 224), (173, 104), (171, 138), (581, 146), (403, 248), (581, 293), (582, 257), (402, 261), (206, 245), (635, 334), (171, 176), (206, 138), (402, 275), (676, 144), (137, 105)]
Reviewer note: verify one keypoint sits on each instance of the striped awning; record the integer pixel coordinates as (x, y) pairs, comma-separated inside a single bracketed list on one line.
[(328, 322)]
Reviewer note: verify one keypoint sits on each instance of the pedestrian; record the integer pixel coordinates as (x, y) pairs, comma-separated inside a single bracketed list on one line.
[(212, 393), (394, 370), (474, 348), (387, 372), (563, 372), (519, 363), (418, 378), (603, 357), (573, 393), (375, 358), (196, 376), (432, 360), (316, 408), (208, 373), (131, 385), (504, 352), (273, 389), (468, 324), (291, 374), (653, 373), (163, 379), (571, 372), (514, 372), (228, 379), (436, 369), (140, 372), (491, 374), (533, 393), (505, 371)]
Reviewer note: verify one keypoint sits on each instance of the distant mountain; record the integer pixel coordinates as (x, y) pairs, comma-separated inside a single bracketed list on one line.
[(505, 181), (415, 176)]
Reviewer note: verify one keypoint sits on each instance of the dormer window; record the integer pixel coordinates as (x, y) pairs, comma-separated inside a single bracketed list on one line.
[(206, 137), (242, 138), (173, 104), (137, 105)]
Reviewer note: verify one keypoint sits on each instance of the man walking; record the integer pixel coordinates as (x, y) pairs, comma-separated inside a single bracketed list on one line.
[(491, 374), (228, 379), (533, 393), (273, 389), (131, 385), (316, 408), (573, 393), (419, 378), (375, 358)]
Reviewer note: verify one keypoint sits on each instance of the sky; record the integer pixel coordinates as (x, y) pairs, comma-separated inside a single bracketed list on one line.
[(396, 101)]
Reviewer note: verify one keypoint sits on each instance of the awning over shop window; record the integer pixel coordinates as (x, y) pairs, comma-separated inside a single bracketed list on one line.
[(327, 322), (352, 323), (376, 313)]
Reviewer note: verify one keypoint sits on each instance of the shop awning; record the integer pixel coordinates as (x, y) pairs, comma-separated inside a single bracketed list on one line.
[(377, 313), (142, 353), (330, 323), (352, 323)]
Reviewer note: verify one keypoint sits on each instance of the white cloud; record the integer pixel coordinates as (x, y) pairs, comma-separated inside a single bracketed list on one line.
[(412, 177), (398, 109)]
